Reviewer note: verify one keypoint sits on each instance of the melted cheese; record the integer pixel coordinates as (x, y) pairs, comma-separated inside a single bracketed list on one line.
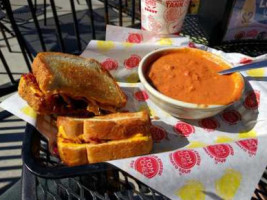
[(33, 88), (36, 91), (22, 80), (63, 134), (138, 136)]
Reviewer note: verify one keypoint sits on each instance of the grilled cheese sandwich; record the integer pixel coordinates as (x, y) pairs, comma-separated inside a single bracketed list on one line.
[(74, 150), (67, 84)]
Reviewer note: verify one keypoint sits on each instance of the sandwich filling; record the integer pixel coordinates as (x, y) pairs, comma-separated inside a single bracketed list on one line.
[(73, 154), (81, 140), (117, 136), (62, 135), (65, 84), (57, 103)]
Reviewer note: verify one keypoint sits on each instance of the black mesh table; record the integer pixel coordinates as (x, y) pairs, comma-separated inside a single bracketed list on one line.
[(193, 29), (104, 181)]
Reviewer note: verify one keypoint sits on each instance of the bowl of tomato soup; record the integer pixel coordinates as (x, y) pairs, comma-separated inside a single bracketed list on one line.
[(184, 82)]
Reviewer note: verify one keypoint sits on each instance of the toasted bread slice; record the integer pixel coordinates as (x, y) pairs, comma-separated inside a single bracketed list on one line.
[(29, 90), (108, 127), (74, 76), (74, 154), (42, 104)]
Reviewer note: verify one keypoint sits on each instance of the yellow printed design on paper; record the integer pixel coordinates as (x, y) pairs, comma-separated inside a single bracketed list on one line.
[(196, 144), (165, 41), (256, 72), (127, 44), (247, 134), (133, 84), (223, 139), (165, 114), (105, 45), (228, 184), (27, 110), (151, 112), (132, 78), (192, 190)]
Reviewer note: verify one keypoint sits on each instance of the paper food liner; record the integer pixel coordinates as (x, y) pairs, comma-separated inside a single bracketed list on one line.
[(218, 157)]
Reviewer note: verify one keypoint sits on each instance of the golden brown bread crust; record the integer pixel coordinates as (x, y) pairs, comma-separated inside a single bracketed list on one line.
[(42, 104), (77, 77), (42, 73), (119, 149), (71, 128), (108, 127), (73, 154), (30, 92)]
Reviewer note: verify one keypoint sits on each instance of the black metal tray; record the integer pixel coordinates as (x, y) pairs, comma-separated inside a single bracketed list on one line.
[(115, 185), (52, 179), (39, 161)]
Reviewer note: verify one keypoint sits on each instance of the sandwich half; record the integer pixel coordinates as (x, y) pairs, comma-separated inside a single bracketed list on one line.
[(65, 84), (108, 127), (78, 143)]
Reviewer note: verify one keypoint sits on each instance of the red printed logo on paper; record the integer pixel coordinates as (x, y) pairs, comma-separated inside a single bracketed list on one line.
[(132, 62), (252, 100), (141, 95), (110, 64), (135, 38), (245, 60), (175, 3), (158, 133), (172, 14), (184, 129), (149, 166), (250, 146), (151, 3), (252, 33), (232, 117), (209, 124), (219, 152), (185, 160)]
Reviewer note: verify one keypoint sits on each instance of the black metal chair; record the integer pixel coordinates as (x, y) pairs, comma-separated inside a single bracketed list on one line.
[(56, 26), (78, 21), (4, 29)]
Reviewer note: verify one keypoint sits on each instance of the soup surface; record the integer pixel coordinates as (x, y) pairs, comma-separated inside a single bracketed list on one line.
[(191, 76)]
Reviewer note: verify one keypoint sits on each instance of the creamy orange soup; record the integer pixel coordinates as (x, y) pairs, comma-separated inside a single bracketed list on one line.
[(191, 76)]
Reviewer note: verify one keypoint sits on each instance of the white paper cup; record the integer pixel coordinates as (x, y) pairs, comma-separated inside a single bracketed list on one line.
[(163, 16)]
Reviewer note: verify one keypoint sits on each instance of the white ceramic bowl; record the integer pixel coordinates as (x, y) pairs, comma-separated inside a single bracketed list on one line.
[(172, 106)]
